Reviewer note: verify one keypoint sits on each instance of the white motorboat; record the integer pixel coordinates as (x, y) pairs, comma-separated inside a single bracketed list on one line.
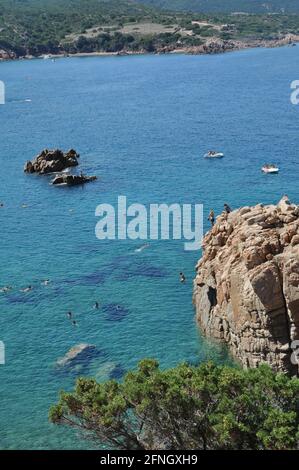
[(213, 154), (270, 169)]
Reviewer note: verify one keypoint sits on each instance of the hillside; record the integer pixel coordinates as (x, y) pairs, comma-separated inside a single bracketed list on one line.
[(39, 27), (228, 6)]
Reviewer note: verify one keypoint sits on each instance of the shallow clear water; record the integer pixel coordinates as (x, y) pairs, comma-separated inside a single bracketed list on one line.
[(142, 124)]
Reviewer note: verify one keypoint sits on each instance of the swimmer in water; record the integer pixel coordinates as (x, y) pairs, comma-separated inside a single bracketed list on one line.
[(96, 305), (141, 248), (27, 289), (182, 278), (74, 323), (46, 282), (6, 289), (70, 315)]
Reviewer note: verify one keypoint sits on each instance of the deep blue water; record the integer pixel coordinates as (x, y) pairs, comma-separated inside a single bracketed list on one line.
[(142, 124)]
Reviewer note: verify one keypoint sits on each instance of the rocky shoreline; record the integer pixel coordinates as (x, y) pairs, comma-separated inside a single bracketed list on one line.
[(246, 290), (211, 46)]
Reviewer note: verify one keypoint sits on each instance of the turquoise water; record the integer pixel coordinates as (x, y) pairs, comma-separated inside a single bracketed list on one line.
[(142, 124)]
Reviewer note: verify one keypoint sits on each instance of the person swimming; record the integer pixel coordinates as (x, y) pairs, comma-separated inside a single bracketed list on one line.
[(27, 289), (70, 315), (141, 248), (96, 305), (74, 323), (6, 289), (46, 282), (182, 278)]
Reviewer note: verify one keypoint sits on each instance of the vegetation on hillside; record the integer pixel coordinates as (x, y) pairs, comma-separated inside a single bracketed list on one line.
[(36, 27), (204, 407)]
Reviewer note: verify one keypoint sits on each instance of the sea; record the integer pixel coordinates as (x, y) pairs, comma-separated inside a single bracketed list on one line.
[(142, 125)]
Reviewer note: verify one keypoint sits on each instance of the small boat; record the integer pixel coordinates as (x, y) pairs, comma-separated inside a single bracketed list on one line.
[(213, 154), (270, 169)]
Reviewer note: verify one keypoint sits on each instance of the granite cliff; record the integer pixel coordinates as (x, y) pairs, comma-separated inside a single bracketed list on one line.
[(246, 290)]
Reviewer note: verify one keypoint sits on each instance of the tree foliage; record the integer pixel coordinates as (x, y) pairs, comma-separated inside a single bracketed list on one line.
[(187, 407)]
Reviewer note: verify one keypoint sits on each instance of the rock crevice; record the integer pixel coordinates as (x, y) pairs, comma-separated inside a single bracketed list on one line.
[(246, 290)]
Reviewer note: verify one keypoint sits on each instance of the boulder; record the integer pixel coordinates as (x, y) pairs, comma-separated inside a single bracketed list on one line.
[(77, 354), (52, 161), (72, 180), (246, 290)]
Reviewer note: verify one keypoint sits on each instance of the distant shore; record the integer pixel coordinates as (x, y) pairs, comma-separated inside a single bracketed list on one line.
[(212, 46)]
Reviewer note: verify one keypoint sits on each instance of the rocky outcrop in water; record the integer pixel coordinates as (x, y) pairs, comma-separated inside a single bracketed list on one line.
[(72, 180), (51, 161), (79, 353), (246, 290)]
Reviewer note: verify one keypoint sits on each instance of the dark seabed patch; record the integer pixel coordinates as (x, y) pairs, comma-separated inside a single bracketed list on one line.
[(141, 269), (115, 312), (34, 296), (122, 268), (96, 277), (117, 373), (23, 298)]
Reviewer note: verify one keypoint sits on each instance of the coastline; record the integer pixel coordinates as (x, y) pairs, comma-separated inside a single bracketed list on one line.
[(212, 46)]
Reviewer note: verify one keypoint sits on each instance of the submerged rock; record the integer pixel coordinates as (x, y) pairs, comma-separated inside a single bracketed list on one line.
[(115, 312), (246, 291), (51, 161), (77, 354)]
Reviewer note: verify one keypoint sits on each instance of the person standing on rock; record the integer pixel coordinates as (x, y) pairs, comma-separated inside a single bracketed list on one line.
[(211, 217), (227, 208)]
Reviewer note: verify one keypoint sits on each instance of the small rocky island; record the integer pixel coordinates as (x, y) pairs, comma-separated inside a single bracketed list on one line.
[(56, 161), (246, 290), (52, 161)]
